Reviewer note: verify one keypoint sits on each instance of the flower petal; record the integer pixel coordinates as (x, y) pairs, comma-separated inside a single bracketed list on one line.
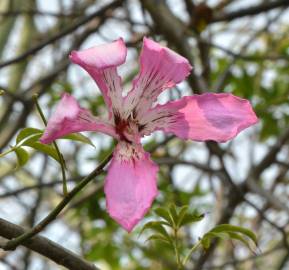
[(217, 117), (69, 117), (161, 68), (101, 62), (130, 185)]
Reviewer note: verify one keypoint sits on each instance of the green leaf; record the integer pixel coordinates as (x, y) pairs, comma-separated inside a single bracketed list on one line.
[(224, 235), (78, 137), (173, 213), (28, 134), (165, 223), (159, 238), (240, 238), (191, 218), (207, 238), (227, 231), (236, 229), (182, 213), (175, 217), (163, 213), (22, 156), (157, 227), (44, 148), (212, 235)]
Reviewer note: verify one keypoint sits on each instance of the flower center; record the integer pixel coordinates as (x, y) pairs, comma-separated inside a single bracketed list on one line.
[(127, 129)]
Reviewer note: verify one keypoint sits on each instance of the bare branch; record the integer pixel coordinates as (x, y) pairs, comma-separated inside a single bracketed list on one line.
[(46, 247), (265, 6), (62, 33)]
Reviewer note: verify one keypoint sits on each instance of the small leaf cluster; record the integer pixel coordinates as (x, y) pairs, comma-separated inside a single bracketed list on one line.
[(173, 219), (29, 137)]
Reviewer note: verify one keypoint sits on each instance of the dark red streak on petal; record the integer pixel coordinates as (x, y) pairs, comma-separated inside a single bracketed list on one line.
[(120, 126)]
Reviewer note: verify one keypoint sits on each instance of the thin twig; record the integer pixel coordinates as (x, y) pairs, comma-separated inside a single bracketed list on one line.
[(263, 7), (39, 13), (60, 156), (61, 34)]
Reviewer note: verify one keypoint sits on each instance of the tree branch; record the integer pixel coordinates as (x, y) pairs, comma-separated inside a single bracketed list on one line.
[(12, 244), (61, 34), (46, 247), (250, 11)]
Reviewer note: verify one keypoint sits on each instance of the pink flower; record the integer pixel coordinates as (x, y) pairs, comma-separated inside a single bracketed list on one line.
[(130, 185)]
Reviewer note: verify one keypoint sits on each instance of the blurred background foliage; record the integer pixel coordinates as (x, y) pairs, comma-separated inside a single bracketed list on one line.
[(241, 47)]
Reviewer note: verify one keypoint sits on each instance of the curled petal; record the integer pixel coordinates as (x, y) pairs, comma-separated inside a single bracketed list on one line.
[(130, 185), (69, 117), (216, 117), (161, 68), (102, 56), (101, 63)]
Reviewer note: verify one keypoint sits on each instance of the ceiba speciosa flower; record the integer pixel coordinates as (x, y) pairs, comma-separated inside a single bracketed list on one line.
[(130, 184)]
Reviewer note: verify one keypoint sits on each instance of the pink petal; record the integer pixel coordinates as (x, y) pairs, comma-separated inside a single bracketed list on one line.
[(101, 62), (102, 56), (161, 68), (130, 185), (217, 117), (69, 117)]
